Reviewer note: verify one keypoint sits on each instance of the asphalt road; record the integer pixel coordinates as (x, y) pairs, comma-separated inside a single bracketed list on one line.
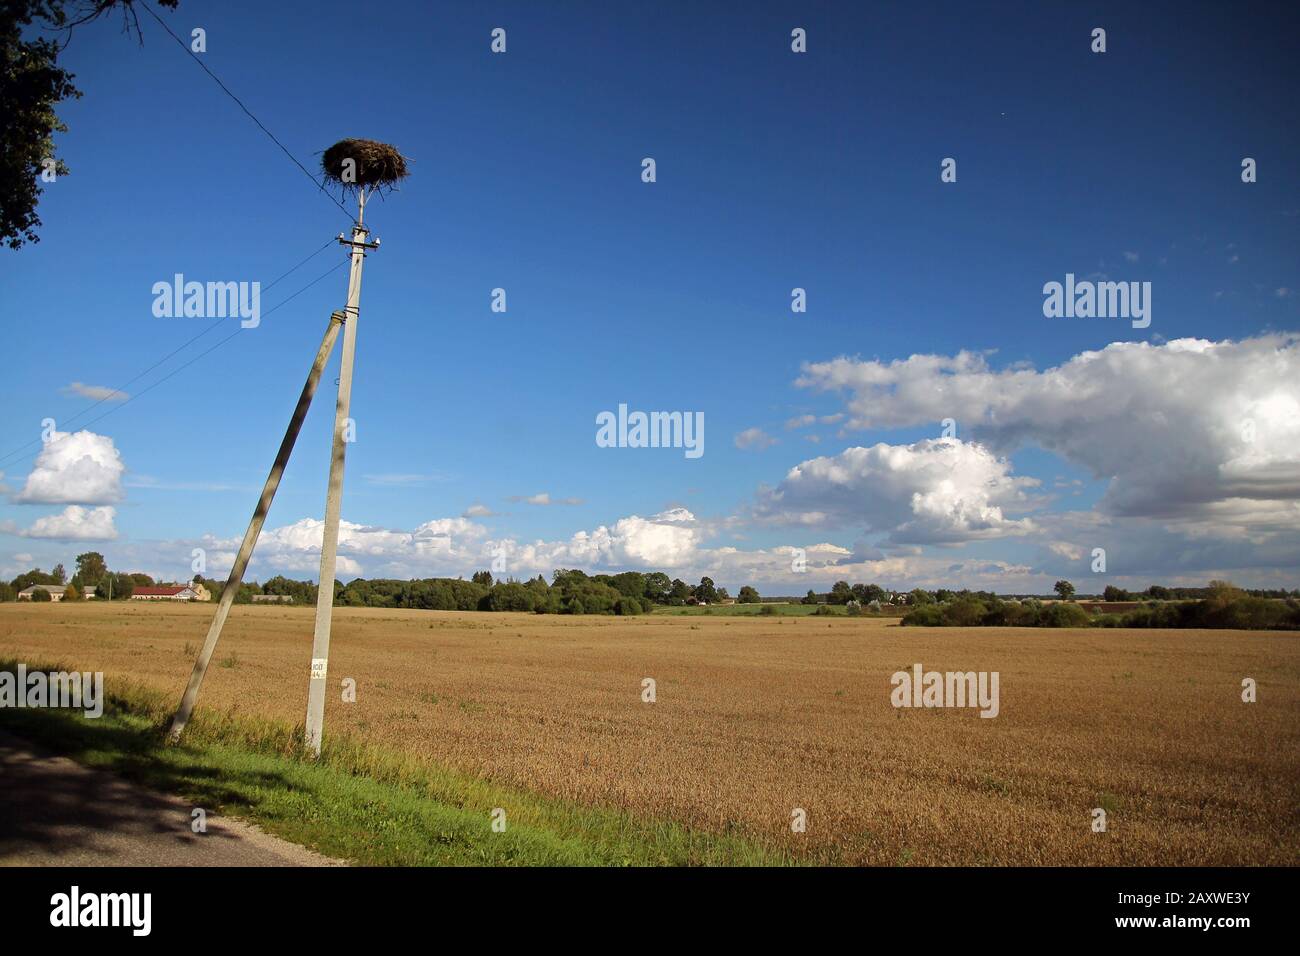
[(55, 812)]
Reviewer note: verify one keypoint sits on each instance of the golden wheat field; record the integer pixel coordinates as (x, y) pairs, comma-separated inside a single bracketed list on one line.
[(755, 717)]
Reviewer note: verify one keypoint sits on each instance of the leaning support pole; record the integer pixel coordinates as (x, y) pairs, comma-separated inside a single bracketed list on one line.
[(320, 646), (255, 528)]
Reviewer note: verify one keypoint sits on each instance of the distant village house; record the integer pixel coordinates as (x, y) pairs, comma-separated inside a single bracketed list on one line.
[(55, 591), (187, 592)]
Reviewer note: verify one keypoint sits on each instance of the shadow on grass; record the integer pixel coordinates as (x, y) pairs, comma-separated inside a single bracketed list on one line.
[(52, 807), (56, 807)]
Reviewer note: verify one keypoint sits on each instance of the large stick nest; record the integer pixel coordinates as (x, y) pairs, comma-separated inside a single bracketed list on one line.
[(374, 165)]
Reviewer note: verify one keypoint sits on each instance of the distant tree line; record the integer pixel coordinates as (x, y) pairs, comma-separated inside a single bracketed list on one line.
[(1158, 593), (91, 572), (844, 593), (1219, 605), (569, 591)]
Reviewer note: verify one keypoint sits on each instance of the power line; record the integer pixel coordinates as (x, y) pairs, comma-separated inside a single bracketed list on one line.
[(317, 183), (289, 272), (181, 368), (225, 89), (217, 345), (121, 389)]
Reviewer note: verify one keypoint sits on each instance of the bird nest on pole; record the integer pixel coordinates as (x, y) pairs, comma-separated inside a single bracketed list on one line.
[(363, 165)]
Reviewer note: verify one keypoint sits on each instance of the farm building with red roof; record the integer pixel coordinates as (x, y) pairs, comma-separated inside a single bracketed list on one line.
[(176, 592)]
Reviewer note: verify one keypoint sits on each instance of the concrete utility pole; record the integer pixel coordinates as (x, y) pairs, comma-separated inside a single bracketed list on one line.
[(364, 166), (254, 529), (320, 648)]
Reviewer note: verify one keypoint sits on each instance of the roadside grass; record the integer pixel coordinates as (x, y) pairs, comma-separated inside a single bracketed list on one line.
[(359, 802)]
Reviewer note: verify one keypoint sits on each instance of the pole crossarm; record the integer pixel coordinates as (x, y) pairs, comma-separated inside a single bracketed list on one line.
[(188, 700)]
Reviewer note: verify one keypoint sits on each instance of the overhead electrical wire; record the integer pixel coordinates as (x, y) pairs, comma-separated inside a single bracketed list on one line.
[(130, 398), (211, 328), (238, 102)]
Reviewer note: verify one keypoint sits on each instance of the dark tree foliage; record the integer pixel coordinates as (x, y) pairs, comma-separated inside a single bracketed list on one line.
[(32, 35), (302, 592), (511, 596), (866, 593), (1222, 606), (679, 593), (120, 586), (705, 592), (90, 568), (658, 587), (34, 576), (572, 592)]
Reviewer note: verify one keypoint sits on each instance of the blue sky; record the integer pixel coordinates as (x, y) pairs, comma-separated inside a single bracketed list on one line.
[(775, 170)]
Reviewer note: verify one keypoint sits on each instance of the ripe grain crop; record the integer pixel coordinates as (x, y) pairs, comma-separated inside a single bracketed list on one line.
[(756, 717)]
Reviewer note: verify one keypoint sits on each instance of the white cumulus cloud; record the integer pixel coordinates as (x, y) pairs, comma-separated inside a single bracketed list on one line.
[(1178, 430), (75, 523), (75, 468), (936, 491)]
